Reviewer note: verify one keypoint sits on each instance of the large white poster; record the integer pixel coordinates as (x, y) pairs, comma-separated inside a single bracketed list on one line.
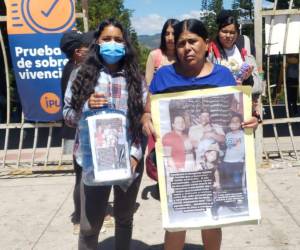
[(109, 146), (206, 161), (276, 43)]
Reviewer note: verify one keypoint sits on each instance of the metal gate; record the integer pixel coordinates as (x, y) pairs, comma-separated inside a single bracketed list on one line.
[(49, 156), (44, 149), (281, 137)]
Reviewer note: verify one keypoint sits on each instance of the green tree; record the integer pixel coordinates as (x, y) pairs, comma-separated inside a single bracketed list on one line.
[(236, 8), (99, 10), (210, 23), (204, 4), (214, 7), (235, 4), (249, 7), (143, 55), (243, 11)]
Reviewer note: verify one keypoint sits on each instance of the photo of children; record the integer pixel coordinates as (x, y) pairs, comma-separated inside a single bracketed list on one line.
[(203, 157), (204, 134), (232, 195), (109, 143), (211, 163)]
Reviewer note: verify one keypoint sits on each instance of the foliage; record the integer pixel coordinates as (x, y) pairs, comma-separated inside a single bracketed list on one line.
[(204, 4), (99, 10), (211, 25), (214, 7), (247, 7), (143, 55), (244, 11)]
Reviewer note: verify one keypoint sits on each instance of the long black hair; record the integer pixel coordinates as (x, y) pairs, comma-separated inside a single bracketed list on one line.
[(170, 22), (224, 19), (87, 76)]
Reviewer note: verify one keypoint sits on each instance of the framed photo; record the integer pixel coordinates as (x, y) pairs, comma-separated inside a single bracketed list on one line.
[(206, 161), (109, 146)]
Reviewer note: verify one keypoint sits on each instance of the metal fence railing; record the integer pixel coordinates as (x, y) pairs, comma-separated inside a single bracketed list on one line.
[(280, 121), (39, 145)]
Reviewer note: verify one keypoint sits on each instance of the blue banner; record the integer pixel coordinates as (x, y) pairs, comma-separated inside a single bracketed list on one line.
[(38, 69), (34, 32)]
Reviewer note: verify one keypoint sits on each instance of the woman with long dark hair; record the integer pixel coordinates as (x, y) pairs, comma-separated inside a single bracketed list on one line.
[(165, 54), (110, 77)]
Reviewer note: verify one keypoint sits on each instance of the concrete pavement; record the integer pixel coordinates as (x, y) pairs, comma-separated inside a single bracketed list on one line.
[(35, 214)]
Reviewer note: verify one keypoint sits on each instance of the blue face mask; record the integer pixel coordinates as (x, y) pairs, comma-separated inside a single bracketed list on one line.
[(111, 52)]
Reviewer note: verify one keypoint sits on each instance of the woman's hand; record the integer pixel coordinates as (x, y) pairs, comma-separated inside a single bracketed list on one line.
[(97, 100), (148, 128), (251, 123), (133, 163)]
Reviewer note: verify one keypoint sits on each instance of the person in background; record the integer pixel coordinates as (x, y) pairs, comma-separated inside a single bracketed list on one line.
[(165, 54), (292, 82), (75, 45), (192, 70), (230, 49), (110, 74)]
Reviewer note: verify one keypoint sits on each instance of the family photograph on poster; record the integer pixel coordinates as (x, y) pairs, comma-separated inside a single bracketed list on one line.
[(202, 161), (109, 146)]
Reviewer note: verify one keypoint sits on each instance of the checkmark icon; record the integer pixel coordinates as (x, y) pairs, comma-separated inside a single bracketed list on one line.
[(48, 12)]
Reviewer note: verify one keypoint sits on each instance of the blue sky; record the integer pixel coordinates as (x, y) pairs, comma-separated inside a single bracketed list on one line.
[(150, 15)]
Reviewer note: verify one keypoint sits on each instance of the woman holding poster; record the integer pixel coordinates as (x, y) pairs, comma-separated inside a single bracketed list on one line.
[(191, 71), (110, 77)]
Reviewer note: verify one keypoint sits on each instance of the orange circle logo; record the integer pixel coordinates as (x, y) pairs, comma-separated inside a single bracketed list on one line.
[(49, 16), (50, 103)]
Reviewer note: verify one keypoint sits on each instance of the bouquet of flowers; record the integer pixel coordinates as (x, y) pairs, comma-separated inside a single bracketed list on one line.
[(239, 71)]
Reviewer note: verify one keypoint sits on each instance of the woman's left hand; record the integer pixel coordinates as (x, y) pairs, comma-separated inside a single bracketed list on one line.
[(133, 163), (251, 123)]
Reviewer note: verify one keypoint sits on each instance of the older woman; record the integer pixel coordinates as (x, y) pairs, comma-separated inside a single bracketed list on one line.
[(191, 71)]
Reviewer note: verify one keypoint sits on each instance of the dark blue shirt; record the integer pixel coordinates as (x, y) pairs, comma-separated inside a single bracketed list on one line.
[(167, 80)]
